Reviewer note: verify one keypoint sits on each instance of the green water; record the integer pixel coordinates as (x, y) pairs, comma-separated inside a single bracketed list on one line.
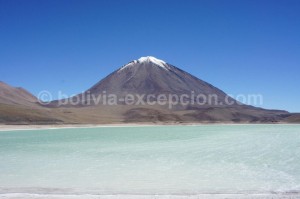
[(152, 160)]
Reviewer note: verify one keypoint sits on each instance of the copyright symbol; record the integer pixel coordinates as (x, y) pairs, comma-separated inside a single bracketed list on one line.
[(44, 97)]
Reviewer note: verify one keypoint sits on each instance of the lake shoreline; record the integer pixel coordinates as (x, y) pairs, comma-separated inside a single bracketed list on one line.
[(14, 127)]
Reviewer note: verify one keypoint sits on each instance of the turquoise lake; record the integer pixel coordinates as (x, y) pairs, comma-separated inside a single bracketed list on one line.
[(152, 160)]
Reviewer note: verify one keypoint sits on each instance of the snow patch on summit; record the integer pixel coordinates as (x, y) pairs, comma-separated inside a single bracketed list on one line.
[(147, 59), (154, 60)]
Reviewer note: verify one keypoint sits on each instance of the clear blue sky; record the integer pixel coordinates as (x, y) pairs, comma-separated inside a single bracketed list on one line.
[(240, 46)]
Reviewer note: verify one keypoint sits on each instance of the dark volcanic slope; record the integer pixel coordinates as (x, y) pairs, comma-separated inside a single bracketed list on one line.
[(149, 75)]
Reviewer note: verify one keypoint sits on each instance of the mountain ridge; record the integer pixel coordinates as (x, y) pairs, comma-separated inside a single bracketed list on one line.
[(144, 77), (16, 95)]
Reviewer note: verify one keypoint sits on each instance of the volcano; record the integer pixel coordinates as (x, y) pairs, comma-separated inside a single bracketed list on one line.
[(149, 76), (152, 76), (146, 90)]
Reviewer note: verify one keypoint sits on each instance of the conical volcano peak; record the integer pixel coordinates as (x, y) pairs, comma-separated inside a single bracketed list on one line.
[(147, 60)]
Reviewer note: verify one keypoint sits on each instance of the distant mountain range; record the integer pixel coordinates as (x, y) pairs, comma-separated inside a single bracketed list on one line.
[(147, 90)]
